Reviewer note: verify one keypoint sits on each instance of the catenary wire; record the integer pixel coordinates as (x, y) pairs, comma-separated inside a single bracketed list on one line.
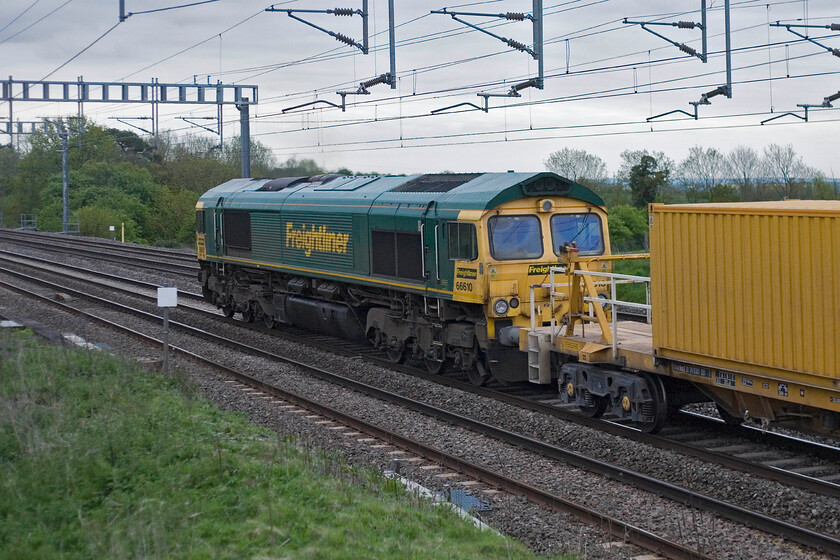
[(20, 15)]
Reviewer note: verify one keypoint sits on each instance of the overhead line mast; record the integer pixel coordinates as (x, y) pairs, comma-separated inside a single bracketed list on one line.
[(703, 56), (389, 78), (827, 101), (536, 52)]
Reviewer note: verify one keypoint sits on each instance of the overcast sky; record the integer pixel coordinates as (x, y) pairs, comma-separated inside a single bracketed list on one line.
[(597, 95)]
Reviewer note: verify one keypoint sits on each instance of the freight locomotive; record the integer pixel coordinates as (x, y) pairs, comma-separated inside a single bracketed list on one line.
[(431, 268)]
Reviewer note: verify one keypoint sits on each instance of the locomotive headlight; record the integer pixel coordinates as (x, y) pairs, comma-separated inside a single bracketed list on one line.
[(514, 303), (501, 307)]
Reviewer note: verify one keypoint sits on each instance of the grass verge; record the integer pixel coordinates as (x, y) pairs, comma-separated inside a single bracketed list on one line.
[(100, 459)]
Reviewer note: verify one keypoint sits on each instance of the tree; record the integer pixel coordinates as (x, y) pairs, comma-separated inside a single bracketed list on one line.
[(631, 158), (744, 166), (133, 148), (262, 160), (823, 189), (9, 159), (703, 168), (614, 194), (628, 228), (298, 168), (723, 192), (787, 171), (647, 180), (576, 165)]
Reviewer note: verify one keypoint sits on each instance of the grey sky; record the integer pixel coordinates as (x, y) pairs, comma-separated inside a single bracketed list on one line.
[(589, 108)]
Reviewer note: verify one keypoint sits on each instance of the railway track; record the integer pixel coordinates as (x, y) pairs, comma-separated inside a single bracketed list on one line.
[(792, 461), (616, 528), (115, 254), (809, 538), (61, 240)]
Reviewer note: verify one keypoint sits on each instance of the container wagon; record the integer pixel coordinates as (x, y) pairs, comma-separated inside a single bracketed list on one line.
[(745, 312)]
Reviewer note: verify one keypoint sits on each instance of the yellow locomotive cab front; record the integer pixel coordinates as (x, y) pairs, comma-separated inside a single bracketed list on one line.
[(518, 243)]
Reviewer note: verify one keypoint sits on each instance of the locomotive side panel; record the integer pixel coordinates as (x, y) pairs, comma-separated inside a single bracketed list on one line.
[(310, 240)]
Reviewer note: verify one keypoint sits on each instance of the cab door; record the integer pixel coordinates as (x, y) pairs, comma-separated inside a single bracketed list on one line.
[(431, 233), (218, 233)]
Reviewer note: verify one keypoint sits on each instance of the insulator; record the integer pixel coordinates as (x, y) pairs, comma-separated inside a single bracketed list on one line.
[(835, 27), (514, 16), (344, 39), (379, 80), (523, 85), (686, 25), (834, 97), (516, 45), (715, 92), (686, 49), (836, 52), (343, 11)]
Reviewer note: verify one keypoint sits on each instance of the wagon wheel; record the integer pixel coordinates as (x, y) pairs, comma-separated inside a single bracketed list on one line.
[(596, 409), (660, 404), (228, 310)]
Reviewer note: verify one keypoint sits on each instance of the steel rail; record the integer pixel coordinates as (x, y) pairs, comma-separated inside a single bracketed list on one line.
[(180, 270), (803, 536), (65, 241), (734, 462), (4, 257), (616, 528)]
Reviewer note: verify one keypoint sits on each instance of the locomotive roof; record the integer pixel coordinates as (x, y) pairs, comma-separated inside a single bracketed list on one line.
[(462, 191)]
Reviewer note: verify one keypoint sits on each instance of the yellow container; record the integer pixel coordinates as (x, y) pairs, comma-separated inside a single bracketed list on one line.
[(750, 287)]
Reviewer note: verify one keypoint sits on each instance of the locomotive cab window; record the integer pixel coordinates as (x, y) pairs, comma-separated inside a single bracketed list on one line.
[(584, 229), (463, 242), (199, 222), (515, 237)]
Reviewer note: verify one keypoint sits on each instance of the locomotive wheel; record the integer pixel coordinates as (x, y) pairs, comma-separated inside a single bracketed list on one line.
[(479, 374), (660, 405), (396, 355), (434, 367), (228, 310), (248, 314), (599, 406), (268, 321)]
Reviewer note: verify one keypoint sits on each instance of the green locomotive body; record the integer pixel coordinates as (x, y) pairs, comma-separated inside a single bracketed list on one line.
[(417, 265)]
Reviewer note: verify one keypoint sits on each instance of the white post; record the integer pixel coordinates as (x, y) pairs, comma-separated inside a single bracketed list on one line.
[(614, 298), (166, 298)]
